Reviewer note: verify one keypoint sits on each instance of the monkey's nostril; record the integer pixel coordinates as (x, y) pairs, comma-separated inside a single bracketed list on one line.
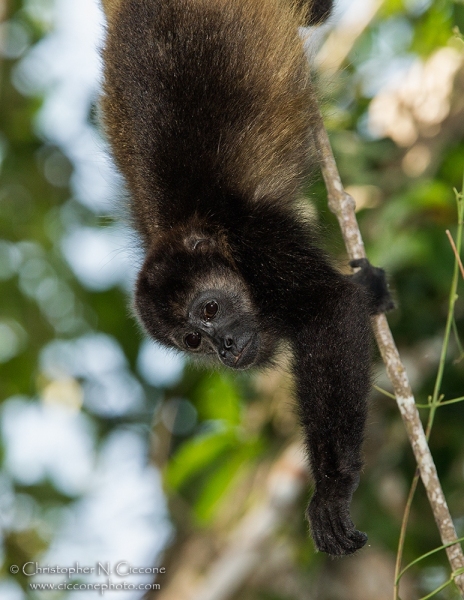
[(228, 343)]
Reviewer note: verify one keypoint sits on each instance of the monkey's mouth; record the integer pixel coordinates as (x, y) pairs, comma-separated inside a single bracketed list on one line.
[(248, 354)]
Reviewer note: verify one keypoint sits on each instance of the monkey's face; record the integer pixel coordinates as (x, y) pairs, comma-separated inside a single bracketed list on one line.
[(220, 323), (199, 304)]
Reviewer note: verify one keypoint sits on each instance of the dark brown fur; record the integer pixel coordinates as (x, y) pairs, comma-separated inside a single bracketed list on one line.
[(207, 107), (268, 115)]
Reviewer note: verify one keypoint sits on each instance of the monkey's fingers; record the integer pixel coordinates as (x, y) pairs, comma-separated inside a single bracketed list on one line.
[(332, 528), (374, 281)]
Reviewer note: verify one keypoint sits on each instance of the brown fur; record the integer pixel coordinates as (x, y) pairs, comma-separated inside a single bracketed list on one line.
[(110, 7), (266, 151)]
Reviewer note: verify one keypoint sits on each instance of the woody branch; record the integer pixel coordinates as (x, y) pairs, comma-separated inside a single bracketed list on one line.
[(343, 206)]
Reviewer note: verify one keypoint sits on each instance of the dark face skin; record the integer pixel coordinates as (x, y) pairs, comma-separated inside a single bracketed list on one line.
[(220, 324)]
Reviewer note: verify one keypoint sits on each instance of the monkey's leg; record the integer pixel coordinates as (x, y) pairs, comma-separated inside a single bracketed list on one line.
[(332, 368)]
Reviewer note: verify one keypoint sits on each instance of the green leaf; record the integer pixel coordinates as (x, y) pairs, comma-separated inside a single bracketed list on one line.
[(219, 482), (217, 397), (196, 455)]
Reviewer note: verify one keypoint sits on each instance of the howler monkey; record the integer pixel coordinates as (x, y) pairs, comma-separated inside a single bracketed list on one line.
[(207, 108)]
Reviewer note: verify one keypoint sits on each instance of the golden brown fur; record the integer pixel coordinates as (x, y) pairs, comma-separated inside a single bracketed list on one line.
[(273, 128)]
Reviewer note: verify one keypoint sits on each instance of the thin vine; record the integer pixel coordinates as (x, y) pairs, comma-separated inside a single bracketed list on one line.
[(435, 401)]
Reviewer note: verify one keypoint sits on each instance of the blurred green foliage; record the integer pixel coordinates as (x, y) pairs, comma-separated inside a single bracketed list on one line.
[(42, 300)]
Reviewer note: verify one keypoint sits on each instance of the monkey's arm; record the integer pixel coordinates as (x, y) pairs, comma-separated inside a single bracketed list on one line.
[(332, 369)]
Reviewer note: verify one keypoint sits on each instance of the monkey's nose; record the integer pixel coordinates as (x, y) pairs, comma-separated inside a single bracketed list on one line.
[(228, 343), (229, 347)]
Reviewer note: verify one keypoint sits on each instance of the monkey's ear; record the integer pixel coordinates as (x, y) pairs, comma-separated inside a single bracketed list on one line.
[(199, 243)]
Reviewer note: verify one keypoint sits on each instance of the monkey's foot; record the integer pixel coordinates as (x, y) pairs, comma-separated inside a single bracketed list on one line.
[(332, 528)]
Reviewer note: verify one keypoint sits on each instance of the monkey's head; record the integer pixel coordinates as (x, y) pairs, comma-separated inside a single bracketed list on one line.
[(190, 296)]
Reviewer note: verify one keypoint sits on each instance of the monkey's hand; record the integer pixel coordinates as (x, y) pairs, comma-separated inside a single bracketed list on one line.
[(331, 525), (374, 282)]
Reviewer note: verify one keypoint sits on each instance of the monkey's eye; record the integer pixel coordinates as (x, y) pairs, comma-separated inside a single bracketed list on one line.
[(210, 310), (193, 340)]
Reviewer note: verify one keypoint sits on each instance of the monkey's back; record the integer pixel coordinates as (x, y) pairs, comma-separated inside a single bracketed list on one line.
[(205, 101)]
